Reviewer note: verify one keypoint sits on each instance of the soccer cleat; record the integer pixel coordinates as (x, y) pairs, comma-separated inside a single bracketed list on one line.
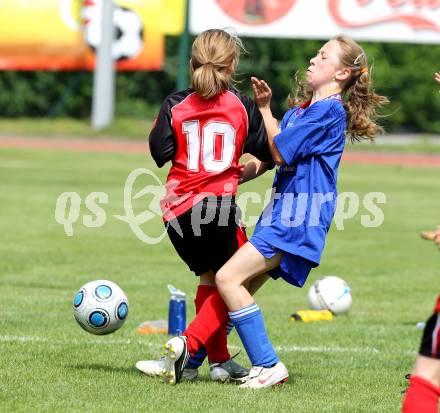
[(228, 370), (151, 367), (263, 377), (154, 368), (222, 372), (175, 357), (190, 374)]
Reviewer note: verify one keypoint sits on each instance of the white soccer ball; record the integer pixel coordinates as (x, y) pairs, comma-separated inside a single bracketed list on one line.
[(100, 307), (330, 293)]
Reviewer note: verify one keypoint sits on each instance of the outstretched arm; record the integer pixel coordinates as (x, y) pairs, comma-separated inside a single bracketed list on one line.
[(262, 97)]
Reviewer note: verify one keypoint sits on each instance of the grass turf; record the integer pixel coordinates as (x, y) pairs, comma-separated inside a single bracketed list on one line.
[(121, 128), (355, 363), (126, 128)]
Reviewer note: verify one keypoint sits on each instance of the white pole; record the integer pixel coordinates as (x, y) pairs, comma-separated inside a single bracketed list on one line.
[(104, 75)]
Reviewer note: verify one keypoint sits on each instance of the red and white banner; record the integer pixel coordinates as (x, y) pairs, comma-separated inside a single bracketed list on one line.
[(412, 21)]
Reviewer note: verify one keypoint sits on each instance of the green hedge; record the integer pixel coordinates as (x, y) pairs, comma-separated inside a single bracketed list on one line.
[(403, 72)]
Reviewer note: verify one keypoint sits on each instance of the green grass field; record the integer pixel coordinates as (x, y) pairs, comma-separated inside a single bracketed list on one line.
[(355, 363), (135, 129)]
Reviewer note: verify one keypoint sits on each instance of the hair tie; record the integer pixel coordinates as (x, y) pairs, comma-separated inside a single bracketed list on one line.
[(364, 70)]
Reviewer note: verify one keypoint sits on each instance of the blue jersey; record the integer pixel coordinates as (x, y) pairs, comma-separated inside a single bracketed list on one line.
[(299, 215)]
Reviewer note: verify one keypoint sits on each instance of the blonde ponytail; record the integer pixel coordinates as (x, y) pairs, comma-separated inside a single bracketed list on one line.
[(215, 54)]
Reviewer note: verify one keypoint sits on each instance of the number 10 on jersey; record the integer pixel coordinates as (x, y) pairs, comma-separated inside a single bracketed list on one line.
[(216, 155)]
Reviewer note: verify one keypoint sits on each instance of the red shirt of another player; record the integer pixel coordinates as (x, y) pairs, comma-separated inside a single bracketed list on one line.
[(205, 139)]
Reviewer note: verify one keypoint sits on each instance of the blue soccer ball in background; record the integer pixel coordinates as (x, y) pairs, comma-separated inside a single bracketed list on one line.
[(100, 307)]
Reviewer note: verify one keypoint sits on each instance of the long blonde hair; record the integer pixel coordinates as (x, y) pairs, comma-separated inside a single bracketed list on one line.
[(214, 57), (359, 99)]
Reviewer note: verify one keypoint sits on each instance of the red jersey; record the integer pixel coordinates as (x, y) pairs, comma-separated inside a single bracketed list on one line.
[(205, 139)]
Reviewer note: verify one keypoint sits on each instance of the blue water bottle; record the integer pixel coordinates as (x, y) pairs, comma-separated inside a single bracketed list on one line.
[(176, 311)]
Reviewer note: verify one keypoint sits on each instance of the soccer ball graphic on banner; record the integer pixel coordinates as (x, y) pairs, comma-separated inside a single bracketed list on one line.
[(330, 293), (129, 30), (100, 307)]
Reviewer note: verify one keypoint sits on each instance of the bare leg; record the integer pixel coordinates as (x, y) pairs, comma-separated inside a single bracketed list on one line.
[(208, 278), (423, 391), (428, 368), (256, 283), (245, 265)]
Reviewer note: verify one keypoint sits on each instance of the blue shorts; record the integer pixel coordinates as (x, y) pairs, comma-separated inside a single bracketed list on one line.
[(293, 268)]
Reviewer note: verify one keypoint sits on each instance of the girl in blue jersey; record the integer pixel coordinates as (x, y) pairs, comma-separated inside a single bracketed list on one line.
[(290, 235)]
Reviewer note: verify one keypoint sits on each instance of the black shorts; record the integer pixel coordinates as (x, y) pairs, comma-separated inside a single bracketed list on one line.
[(430, 345), (210, 234)]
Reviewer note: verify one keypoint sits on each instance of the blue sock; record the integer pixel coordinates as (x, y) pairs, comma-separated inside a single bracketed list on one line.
[(250, 327), (229, 327), (194, 362)]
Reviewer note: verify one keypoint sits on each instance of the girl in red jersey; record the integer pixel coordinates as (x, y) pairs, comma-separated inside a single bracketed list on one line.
[(423, 392), (203, 131)]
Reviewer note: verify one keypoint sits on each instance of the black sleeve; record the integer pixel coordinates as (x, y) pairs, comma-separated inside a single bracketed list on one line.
[(162, 142), (257, 142)]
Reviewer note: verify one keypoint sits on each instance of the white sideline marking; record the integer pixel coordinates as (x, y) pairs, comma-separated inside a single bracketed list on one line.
[(327, 349), (36, 339), (22, 339), (282, 349)]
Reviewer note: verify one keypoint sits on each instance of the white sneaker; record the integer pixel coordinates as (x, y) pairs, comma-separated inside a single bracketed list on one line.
[(154, 368), (175, 357), (262, 377)]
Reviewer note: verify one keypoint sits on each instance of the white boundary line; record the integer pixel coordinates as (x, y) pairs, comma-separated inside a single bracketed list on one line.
[(282, 349)]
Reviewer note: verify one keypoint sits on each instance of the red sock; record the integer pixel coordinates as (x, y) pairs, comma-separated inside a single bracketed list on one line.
[(209, 322), (421, 396), (203, 292), (217, 345)]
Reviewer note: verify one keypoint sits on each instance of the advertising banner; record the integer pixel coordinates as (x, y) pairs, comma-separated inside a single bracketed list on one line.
[(412, 21), (64, 34)]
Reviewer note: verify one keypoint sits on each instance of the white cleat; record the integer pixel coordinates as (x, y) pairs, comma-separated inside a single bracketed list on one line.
[(263, 377), (151, 367), (155, 368), (175, 357)]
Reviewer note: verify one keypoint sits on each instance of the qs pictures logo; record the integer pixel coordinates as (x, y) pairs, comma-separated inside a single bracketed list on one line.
[(141, 207)]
